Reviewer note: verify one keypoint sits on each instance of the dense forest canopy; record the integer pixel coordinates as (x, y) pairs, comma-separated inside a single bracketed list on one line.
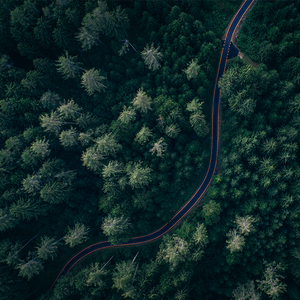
[(105, 115)]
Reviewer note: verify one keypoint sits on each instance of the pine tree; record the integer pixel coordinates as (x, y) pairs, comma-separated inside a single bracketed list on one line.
[(142, 101), (246, 292), (92, 159), (107, 144), (138, 175), (50, 100), (40, 148), (143, 135), (172, 131), (55, 192), (47, 248), (91, 81), (127, 116), (123, 275), (113, 169), (85, 138), (271, 283), (245, 224), (69, 109), (68, 138), (31, 267), (68, 66), (151, 57), (211, 212), (235, 241), (116, 228), (159, 147), (52, 122), (192, 70), (77, 235), (32, 184), (173, 250)]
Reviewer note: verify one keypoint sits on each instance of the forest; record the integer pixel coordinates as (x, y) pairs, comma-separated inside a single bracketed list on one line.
[(105, 117)]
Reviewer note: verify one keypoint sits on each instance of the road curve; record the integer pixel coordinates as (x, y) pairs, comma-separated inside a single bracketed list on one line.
[(211, 168)]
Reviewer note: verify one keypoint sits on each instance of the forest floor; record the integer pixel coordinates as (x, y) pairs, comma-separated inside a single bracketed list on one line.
[(246, 59)]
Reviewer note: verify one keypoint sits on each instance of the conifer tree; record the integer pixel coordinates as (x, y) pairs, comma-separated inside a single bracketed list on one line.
[(138, 176), (142, 101), (192, 70), (116, 228), (68, 138), (92, 81), (127, 116), (68, 66), (235, 241), (77, 235), (159, 147), (31, 267), (40, 148), (173, 251), (151, 57), (47, 248), (143, 135), (271, 283)]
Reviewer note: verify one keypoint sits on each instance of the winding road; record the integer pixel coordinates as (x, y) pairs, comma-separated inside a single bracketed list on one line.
[(211, 168)]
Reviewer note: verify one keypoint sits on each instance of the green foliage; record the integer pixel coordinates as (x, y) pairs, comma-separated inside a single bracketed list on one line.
[(47, 248), (76, 235), (29, 268), (116, 228), (68, 66), (271, 283), (192, 70), (91, 81), (211, 212), (152, 57)]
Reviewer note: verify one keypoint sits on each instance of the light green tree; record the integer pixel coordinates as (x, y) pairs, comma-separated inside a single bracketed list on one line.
[(29, 268), (92, 81), (76, 235), (85, 138), (246, 291), (68, 66), (92, 159), (123, 276), (52, 122), (245, 224), (173, 250), (192, 70), (235, 241), (142, 101), (113, 168), (151, 57), (200, 235), (143, 135), (172, 130), (69, 109), (68, 138), (40, 148), (211, 212), (127, 116), (116, 229), (107, 144), (271, 283), (159, 147), (47, 248), (197, 118), (138, 176)]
